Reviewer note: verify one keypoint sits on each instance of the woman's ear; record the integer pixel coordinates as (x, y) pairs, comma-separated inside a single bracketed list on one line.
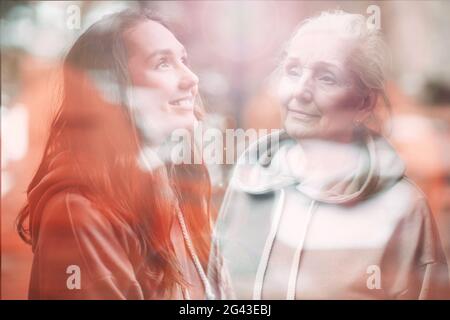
[(367, 105), (370, 101)]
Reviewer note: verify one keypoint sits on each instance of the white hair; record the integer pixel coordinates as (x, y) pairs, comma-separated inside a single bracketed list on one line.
[(370, 58)]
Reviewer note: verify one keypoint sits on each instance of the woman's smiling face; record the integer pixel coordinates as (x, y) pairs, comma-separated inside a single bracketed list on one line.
[(164, 89), (319, 94)]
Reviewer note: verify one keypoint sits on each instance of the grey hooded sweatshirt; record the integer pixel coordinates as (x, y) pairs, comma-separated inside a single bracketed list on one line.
[(362, 233)]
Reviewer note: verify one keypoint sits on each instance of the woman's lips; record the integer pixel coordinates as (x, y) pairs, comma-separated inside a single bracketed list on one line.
[(296, 113), (184, 104)]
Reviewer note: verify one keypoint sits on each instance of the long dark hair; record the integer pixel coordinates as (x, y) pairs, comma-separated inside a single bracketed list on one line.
[(104, 143)]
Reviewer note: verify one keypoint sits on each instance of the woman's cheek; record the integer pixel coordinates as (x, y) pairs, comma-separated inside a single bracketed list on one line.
[(153, 79), (284, 91), (325, 124), (335, 101), (145, 101)]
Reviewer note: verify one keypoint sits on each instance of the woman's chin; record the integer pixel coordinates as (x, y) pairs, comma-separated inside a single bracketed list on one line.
[(301, 130), (189, 124)]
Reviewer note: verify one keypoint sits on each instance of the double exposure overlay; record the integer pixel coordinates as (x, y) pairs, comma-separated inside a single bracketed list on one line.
[(182, 150)]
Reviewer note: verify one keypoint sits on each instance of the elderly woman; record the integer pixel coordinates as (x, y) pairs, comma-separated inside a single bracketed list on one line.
[(327, 212)]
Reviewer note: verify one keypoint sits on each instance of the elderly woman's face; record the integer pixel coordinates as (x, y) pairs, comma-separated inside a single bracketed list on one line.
[(163, 87), (318, 92)]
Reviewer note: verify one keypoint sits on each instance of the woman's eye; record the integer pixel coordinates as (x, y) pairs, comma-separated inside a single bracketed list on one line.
[(327, 79), (163, 64), (294, 71)]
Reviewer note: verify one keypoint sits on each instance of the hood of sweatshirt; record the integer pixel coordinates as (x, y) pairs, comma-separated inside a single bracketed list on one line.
[(263, 168), (60, 176)]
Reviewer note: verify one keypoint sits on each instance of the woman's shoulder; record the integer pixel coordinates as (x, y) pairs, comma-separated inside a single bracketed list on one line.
[(408, 191), (73, 216), (408, 200), (75, 206), (74, 231), (72, 213)]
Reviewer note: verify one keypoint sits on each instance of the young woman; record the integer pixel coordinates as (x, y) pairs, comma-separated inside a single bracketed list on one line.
[(327, 212), (108, 217)]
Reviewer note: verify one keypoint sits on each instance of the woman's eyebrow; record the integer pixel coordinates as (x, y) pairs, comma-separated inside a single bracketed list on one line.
[(166, 52), (327, 65), (162, 52), (292, 59)]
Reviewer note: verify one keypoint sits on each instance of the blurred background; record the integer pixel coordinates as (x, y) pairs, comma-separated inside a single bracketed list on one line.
[(233, 47)]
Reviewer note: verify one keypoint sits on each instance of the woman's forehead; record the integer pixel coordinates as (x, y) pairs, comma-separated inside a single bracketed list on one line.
[(150, 36), (314, 47)]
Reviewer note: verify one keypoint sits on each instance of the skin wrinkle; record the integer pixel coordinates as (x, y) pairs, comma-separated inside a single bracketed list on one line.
[(340, 101)]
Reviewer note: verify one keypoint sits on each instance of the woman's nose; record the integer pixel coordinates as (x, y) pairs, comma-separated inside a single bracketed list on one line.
[(188, 79), (303, 90)]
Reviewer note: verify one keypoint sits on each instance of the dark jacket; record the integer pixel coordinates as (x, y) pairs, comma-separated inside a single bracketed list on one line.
[(83, 251)]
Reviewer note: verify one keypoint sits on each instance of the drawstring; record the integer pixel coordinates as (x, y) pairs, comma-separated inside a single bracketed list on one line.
[(261, 272), (296, 261), (262, 267), (206, 284)]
